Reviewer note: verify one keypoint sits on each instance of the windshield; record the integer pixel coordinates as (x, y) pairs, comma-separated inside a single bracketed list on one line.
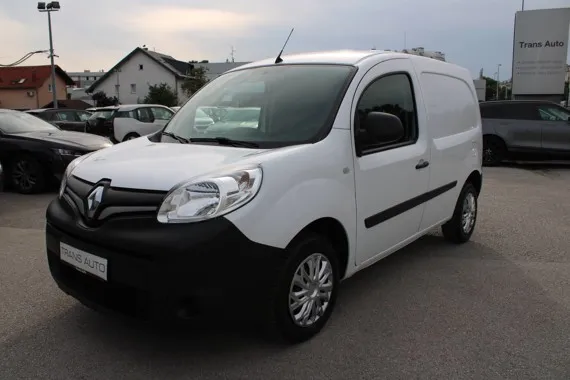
[(21, 122), (105, 114), (269, 106)]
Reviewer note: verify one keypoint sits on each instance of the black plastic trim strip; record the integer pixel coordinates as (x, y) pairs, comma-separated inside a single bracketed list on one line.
[(401, 208)]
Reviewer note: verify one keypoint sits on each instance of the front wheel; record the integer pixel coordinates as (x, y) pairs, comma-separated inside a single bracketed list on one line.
[(461, 226), (307, 290), (27, 175)]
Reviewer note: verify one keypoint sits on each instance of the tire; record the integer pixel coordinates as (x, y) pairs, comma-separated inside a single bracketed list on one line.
[(131, 136), (26, 175), (460, 227), (283, 324), (494, 151)]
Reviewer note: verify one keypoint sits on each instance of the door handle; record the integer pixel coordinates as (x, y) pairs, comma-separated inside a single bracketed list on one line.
[(422, 164)]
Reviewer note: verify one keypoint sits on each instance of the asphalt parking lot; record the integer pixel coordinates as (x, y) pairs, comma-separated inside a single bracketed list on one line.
[(495, 308)]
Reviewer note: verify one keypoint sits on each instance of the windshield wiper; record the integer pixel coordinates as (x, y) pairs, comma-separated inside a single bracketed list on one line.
[(225, 141), (176, 137)]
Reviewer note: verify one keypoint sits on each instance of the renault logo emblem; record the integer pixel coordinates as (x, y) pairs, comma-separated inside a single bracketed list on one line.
[(95, 198)]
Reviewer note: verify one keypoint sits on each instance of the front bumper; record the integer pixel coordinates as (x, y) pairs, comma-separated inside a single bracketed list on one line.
[(157, 271)]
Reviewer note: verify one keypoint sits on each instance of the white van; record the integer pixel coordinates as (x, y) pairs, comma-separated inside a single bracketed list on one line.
[(355, 155)]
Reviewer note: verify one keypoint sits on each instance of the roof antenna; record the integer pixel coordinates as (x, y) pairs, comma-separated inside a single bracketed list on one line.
[(278, 59)]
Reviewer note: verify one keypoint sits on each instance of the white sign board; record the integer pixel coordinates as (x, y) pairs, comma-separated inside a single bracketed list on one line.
[(540, 51)]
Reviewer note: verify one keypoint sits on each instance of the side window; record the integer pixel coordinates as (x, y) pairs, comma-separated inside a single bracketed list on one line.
[(144, 115), (552, 113), (126, 114), (47, 116), (521, 111), (391, 94), (161, 113), (83, 116), (67, 116)]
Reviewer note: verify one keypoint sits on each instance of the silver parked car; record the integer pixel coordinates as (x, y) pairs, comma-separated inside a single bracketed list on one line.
[(529, 129)]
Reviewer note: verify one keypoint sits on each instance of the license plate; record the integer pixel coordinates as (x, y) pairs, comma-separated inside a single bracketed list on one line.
[(83, 261)]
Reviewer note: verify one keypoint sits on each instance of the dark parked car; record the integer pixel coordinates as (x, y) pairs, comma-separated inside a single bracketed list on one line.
[(34, 153), (1, 178), (66, 119), (524, 129)]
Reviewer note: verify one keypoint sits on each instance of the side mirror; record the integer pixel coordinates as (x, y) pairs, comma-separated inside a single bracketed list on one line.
[(384, 127)]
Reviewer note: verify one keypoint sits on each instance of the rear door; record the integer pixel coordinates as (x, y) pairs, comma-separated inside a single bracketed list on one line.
[(555, 128)]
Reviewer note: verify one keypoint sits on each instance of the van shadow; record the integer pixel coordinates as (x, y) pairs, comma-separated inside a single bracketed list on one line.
[(431, 310), (537, 165)]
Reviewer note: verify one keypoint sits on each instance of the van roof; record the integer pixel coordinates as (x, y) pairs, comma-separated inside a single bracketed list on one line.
[(339, 57)]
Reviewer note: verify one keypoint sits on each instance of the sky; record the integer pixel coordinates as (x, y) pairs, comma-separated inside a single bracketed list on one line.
[(95, 35)]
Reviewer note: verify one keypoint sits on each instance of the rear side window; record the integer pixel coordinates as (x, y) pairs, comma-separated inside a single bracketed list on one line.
[(451, 104), (510, 111), (126, 114)]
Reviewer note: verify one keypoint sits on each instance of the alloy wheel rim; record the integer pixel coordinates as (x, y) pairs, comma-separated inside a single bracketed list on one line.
[(23, 176), (311, 290), (469, 213)]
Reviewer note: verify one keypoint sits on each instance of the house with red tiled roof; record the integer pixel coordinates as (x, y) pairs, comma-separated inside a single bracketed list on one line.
[(29, 87)]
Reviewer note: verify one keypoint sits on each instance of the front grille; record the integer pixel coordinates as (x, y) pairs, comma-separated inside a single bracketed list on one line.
[(114, 202)]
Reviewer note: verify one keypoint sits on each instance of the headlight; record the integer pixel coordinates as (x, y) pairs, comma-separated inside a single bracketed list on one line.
[(67, 152), (209, 197), (72, 165)]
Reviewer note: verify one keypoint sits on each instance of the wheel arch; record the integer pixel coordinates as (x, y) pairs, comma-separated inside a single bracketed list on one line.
[(335, 232), (476, 179)]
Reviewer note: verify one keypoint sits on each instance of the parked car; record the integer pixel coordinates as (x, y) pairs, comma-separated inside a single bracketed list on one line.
[(175, 108), (357, 155), (126, 122), (524, 129), (66, 119), (231, 118), (1, 177), (34, 152)]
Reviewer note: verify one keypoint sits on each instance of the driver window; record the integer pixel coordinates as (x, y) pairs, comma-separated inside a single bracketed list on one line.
[(144, 115), (550, 113), (391, 94)]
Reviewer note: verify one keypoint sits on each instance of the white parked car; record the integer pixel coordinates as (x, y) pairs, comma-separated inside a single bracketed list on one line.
[(129, 121), (355, 155)]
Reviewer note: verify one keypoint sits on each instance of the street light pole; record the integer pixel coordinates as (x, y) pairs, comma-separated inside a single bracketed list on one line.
[(498, 73), (51, 7), (522, 5)]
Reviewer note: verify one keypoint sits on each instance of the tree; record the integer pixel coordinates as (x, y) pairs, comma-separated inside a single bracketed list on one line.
[(195, 81), (491, 89), (161, 94), (102, 100)]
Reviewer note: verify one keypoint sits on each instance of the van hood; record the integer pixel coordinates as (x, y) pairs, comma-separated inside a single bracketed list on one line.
[(142, 164)]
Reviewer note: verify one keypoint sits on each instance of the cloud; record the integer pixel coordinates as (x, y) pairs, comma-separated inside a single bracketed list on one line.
[(175, 20), (86, 36)]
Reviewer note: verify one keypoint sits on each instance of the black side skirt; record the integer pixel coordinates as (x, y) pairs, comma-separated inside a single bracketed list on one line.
[(401, 208)]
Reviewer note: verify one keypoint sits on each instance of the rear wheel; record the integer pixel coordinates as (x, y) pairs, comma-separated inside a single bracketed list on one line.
[(494, 151), (307, 290), (27, 175), (461, 226), (131, 136)]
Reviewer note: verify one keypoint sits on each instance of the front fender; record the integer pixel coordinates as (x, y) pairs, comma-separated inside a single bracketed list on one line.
[(308, 185)]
